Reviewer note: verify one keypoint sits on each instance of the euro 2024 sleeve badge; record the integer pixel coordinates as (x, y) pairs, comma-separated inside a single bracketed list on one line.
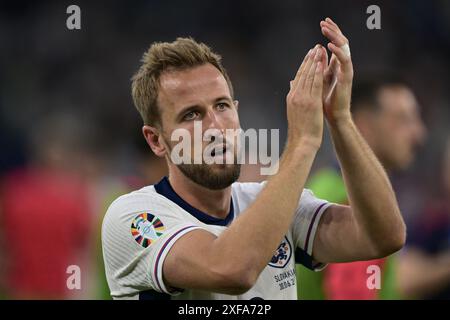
[(146, 228)]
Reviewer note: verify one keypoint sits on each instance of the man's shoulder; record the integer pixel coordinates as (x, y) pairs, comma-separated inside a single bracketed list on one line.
[(144, 194), (253, 188), (145, 199), (244, 193), (249, 189)]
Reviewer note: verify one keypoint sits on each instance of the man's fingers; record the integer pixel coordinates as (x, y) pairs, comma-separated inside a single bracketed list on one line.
[(335, 37), (327, 71), (302, 65), (330, 74), (305, 71), (334, 64), (332, 23), (324, 24), (342, 56), (305, 62), (317, 85), (301, 69), (312, 70), (333, 33), (324, 57)]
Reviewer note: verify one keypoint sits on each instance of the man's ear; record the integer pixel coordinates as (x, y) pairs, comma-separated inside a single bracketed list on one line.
[(236, 104), (153, 137)]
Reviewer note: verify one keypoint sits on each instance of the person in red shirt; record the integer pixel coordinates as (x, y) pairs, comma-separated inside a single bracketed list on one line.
[(46, 219)]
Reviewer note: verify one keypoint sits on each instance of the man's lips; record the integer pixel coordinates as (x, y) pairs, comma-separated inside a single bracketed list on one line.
[(220, 149)]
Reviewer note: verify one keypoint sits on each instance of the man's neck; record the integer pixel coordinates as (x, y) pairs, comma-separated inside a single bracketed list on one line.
[(212, 202)]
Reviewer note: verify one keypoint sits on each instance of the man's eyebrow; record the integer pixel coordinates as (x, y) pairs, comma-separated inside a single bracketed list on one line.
[(195, 107), (186, 110), (222, 98)]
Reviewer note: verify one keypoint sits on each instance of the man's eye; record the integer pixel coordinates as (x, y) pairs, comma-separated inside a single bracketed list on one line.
[(190, 115), (222, 106)]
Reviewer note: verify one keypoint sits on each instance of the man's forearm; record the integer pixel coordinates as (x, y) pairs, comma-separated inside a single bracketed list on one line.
[(370, 193), (268, 219)]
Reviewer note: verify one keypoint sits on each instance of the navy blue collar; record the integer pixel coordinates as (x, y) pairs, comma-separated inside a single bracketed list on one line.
[(165, 189)]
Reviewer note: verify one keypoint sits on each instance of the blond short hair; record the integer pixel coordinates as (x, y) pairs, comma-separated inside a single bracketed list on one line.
[(183, 53)]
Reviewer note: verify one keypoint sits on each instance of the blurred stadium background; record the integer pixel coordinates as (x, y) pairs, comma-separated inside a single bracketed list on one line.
[(70, 136)]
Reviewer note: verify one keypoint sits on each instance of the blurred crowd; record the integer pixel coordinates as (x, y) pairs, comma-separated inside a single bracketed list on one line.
[(70, 138)]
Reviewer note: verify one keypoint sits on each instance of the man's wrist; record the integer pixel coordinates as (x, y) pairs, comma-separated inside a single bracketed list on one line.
[(341, 120), (304, 147)]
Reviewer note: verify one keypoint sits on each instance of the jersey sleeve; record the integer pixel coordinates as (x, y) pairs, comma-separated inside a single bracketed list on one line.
[(304, 227), (137, 234)]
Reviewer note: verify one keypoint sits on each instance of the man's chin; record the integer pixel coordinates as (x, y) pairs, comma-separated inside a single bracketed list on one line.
[(213, 176), (221, 167)]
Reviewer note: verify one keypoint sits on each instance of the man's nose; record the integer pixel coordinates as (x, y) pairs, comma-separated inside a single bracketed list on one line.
[(212, 121)]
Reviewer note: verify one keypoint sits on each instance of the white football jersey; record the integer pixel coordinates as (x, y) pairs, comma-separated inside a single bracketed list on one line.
[(140, 227)]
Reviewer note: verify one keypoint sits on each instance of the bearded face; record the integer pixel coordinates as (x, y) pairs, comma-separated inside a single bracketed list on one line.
[(219, 166), (199, 95)]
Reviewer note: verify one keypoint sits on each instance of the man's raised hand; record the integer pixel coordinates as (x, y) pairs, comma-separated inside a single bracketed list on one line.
[(338, 75), (304, 101)]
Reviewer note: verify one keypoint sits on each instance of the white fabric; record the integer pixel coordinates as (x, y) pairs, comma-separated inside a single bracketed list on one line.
[(132, 268)]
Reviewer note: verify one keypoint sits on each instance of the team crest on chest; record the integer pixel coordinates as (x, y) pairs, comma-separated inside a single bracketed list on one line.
[(146, 228), (282, 255)]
